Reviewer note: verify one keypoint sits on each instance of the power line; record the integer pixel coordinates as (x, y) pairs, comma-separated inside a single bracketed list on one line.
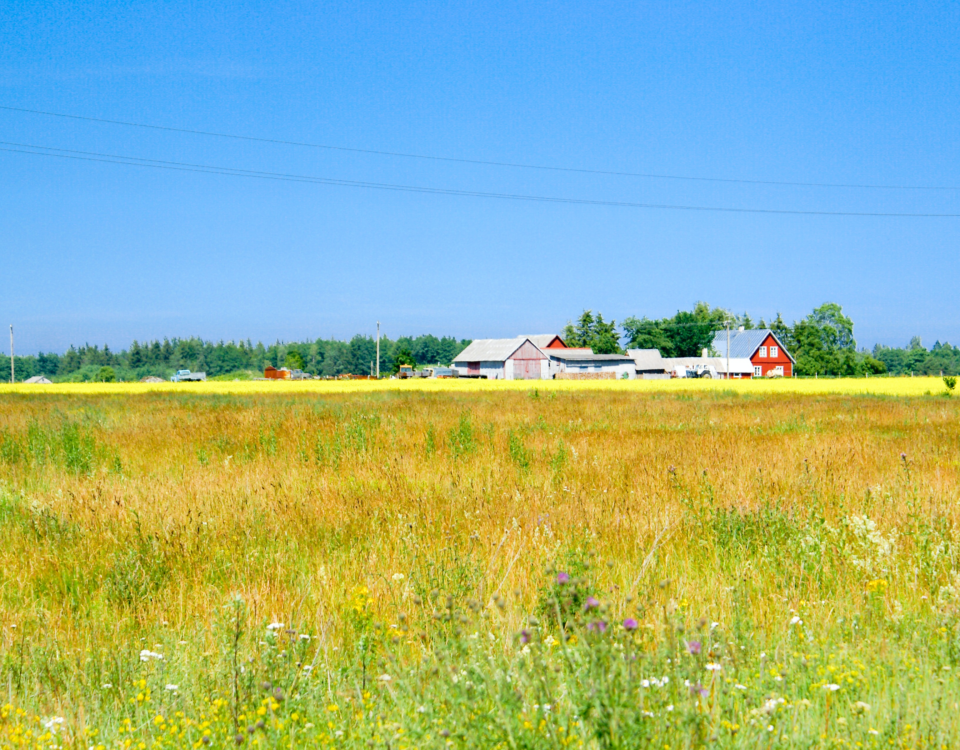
[(479, 162), (284, 177)]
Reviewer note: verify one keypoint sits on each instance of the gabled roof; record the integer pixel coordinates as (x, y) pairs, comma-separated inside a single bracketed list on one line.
[(543, 340), (491, 350), (745, 343), (38, 380)]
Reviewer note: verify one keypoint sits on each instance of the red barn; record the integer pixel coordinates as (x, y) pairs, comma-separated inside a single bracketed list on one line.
[(761, 346)]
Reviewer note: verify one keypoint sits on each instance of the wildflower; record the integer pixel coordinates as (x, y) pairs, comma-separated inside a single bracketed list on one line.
[(524, 636), (563, 577), (172, 688), (308, 669), (592, 603), (698, 689), (385, 678), (693, 647), (738, 686), (274, 626), (831, 687), (860, 707), (630, 624), (304, 637), (872, 731), (106, 686), (796, 620), (53, 723), (598, 627), (147, 655), (714, 625), (713, 667), (398, 577)]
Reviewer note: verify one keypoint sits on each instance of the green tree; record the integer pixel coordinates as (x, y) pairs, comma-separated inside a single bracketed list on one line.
[(106, 374), (593, 333), (294, 360)]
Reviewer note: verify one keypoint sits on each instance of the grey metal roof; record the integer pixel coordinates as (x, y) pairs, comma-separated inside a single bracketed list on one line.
[(647, 359), (38, 380), (745, 343), (578, 355), (490, 350)]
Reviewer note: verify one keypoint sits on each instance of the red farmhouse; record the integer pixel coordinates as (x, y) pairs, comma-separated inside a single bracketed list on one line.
[(761, 346)]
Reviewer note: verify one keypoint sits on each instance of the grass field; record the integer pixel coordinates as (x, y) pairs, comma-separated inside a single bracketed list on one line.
[(454, 564)]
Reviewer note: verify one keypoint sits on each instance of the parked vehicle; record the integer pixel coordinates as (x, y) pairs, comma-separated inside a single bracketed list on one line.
[(184, 376)]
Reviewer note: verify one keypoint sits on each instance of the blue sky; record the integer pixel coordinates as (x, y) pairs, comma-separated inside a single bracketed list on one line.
[(865, 93)]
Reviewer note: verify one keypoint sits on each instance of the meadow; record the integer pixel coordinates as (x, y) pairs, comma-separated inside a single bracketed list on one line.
[(398, 565)]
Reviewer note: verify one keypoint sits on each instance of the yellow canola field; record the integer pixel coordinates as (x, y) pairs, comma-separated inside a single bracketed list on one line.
[(904, 386)]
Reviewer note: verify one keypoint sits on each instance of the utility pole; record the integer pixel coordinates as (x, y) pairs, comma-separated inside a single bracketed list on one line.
[(13, 378), (378, 350), (728, 349)]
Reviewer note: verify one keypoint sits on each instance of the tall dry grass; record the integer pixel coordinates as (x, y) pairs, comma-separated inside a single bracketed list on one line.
[(148, 521)]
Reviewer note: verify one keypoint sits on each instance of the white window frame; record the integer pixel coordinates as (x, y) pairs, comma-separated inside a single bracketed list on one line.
[(763, 352), (757, 371), (774, 352)]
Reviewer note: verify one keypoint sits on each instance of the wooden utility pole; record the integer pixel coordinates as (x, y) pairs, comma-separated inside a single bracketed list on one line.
[(13, 378), (728, 350), (378, 350)]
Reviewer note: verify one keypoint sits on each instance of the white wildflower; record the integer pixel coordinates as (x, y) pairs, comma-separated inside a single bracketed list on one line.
[(53, 723), (385, 678), (274, 626), (147, 655), (831, 687), (172, 688), (304, 637), (713, 667), (738, 686), (796, 620), (398, 577)]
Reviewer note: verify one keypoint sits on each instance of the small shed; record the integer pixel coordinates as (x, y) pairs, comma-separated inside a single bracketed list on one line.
[(38, 380), (503, 359)]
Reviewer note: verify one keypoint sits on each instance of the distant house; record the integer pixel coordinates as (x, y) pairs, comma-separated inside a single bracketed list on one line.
[(503, 359), (38, 380), (767, 354)]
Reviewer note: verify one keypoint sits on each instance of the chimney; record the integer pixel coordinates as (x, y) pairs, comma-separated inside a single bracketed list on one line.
[(705, 353), (740, 328)]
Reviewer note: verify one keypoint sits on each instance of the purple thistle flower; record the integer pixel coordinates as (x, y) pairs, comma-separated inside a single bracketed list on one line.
[(693, 647), (592, 603), (630, 624), (699, 689), (524, 636), (563, 577), (598, 627)]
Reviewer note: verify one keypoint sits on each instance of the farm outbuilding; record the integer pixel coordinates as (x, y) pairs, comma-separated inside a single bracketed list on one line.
[(503, 359), (583, 364), (651, 365), (38, 380)]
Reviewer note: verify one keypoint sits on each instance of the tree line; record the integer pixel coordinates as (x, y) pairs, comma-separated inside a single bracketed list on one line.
[(324, 357), (822, 343)]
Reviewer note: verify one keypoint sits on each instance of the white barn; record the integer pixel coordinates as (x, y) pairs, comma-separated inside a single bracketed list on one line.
[(503, 359)]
